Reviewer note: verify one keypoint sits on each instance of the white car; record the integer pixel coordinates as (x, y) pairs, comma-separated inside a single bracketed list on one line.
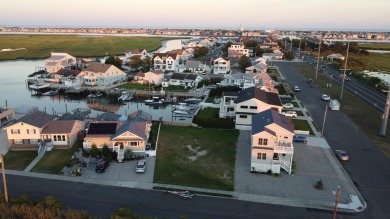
[(325, 97), (141, 166), (288, 106), (296, 89), (291, 114)]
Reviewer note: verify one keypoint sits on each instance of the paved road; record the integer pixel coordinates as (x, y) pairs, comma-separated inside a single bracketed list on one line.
[(368, 167), (103, 200)]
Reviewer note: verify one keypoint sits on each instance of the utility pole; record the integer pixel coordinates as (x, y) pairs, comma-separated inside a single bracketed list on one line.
[(385, 117), (4, 180), (336, 202), (345, 69), (290, 45), (318, 57), (323, 122), (299, 49)]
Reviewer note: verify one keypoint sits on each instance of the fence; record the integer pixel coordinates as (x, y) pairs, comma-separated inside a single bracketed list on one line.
[(178, 124)]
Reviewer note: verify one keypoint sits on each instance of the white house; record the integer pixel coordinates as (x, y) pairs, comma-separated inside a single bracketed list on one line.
[(103, 75), (221, 66), (166, 62), (133, 52), (59, 60), (183, 79), (335, 56), (270, 56), (150, 77), (271, 142), (236, 50), (257, 68), (195, 66)]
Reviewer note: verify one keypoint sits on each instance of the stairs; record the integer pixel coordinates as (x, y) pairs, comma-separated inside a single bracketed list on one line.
[(285, 165), (121, 155)]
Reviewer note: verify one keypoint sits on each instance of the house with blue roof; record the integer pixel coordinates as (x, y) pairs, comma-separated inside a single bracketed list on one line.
[(271, 142)]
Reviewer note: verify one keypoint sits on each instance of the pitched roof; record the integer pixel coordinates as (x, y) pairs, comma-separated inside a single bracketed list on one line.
[(253, 92), (192, 64), (166, 55), (140, 74), (140, 115), (38, 119), (102, 128), (270, 116), (180, 76), (108, 116), (136, 127), (56, 57), (135, 51), (98, 67), (68, 72), (58, 126)]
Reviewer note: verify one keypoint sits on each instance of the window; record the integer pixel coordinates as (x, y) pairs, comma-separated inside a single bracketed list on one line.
[(134, 143), (244, 107), (262, 156), (33, 141), (18, 141), (55, 137), (35, 132), (15, 131), (243, 116), (28, 131), (253, 107), (263, 141), (63, 137)]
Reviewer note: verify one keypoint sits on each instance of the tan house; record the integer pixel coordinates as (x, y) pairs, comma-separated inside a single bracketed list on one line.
[(98, 74), (150, 77), (63, 133), (26, 132), (59, 60), (271, 142)]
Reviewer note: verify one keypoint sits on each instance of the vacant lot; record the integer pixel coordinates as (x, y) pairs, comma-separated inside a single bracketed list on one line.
[(40, 46), (196, 157), (354, 108), (19, 160)]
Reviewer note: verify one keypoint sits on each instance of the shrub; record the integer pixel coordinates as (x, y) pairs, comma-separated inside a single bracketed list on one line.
[(114, 155), (319, 185), (106, 152), (123, 213), (94, 151)]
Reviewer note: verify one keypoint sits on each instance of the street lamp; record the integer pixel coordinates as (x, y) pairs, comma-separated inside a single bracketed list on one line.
[(318, 57), (345, 69), (299, 49), (323, 122), (336, 201)]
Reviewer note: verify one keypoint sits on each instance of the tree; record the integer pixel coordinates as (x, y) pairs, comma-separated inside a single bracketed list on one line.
[(114, 60), (289, 55), (227, 45), (135, 62), (106, 152), (94, 151), (244, 62), (200, 51)]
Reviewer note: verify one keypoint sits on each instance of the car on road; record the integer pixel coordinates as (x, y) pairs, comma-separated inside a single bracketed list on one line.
[(300, 139), (291, 114), (296, 89), (288, 106), (325, 97), (102, 166), (341, 155), (286, 97), (141, 166)]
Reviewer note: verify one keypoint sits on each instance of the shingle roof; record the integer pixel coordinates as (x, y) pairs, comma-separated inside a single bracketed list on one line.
[(180, 76), (137, 128), (102, 128), (68, 72), (58, 126), (270, 116), (108, 116), (192, 64), (55, 57), (230, 93), (97, 67), (253, 92), (166, 55), (140, 115), (38, 119)]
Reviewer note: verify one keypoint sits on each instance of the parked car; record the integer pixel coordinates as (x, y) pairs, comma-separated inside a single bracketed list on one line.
[(309, 81), (141, 166), (300, 139), (341, 155), (288, 106), (296, 89), (102, 166), (285, 97), (291, 114), (325, 97)]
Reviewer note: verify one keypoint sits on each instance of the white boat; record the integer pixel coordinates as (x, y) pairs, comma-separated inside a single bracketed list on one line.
[(95, 95), (181, 112), (124, 95), (192, 100), (154, 101), (50, 93)]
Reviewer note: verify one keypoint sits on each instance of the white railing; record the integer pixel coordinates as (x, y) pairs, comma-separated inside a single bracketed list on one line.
[(285, 165), (283, 149)]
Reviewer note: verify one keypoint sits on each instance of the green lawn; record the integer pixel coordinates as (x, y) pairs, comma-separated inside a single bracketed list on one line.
[(375, 62), (208, 113), (40, 46), (374, 46), (215, 152), (19, 160), (302, 125), (357, 110), (131, 86), (53, 161)]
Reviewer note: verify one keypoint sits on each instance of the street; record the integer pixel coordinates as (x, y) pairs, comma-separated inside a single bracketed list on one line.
[(368, 166)]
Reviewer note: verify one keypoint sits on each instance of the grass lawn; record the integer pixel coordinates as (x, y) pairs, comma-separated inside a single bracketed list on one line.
[(131, 86), (196, 157), (375, 62), (302, 125), (211, 99), (19, 160), (40, 46), (208, 113), (374, 46), (354, 108), (53, 161)]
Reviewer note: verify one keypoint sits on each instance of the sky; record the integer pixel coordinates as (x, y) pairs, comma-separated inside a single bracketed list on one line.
[(251, 14)]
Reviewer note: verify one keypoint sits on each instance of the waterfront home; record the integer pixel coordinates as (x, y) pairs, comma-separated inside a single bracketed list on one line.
[(183, 79), (182, 53), (7, 115), (59, 61), (245, 103), (271, 142), (121, 136), (150, 77), (257, 68), (270, 56), (221, 66), (62, 133), (194, 67), (236, 51), (166, 62), (98, 74), (238, 79), (25, 133), (63, 75), (83, 63), (109, 116), (133, 52)]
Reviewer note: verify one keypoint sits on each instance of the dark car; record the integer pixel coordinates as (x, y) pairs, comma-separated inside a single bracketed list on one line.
[(341, 155), (102, 166), (300, 139)]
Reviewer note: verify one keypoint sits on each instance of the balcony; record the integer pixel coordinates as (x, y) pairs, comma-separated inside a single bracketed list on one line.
[(284, 148)]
